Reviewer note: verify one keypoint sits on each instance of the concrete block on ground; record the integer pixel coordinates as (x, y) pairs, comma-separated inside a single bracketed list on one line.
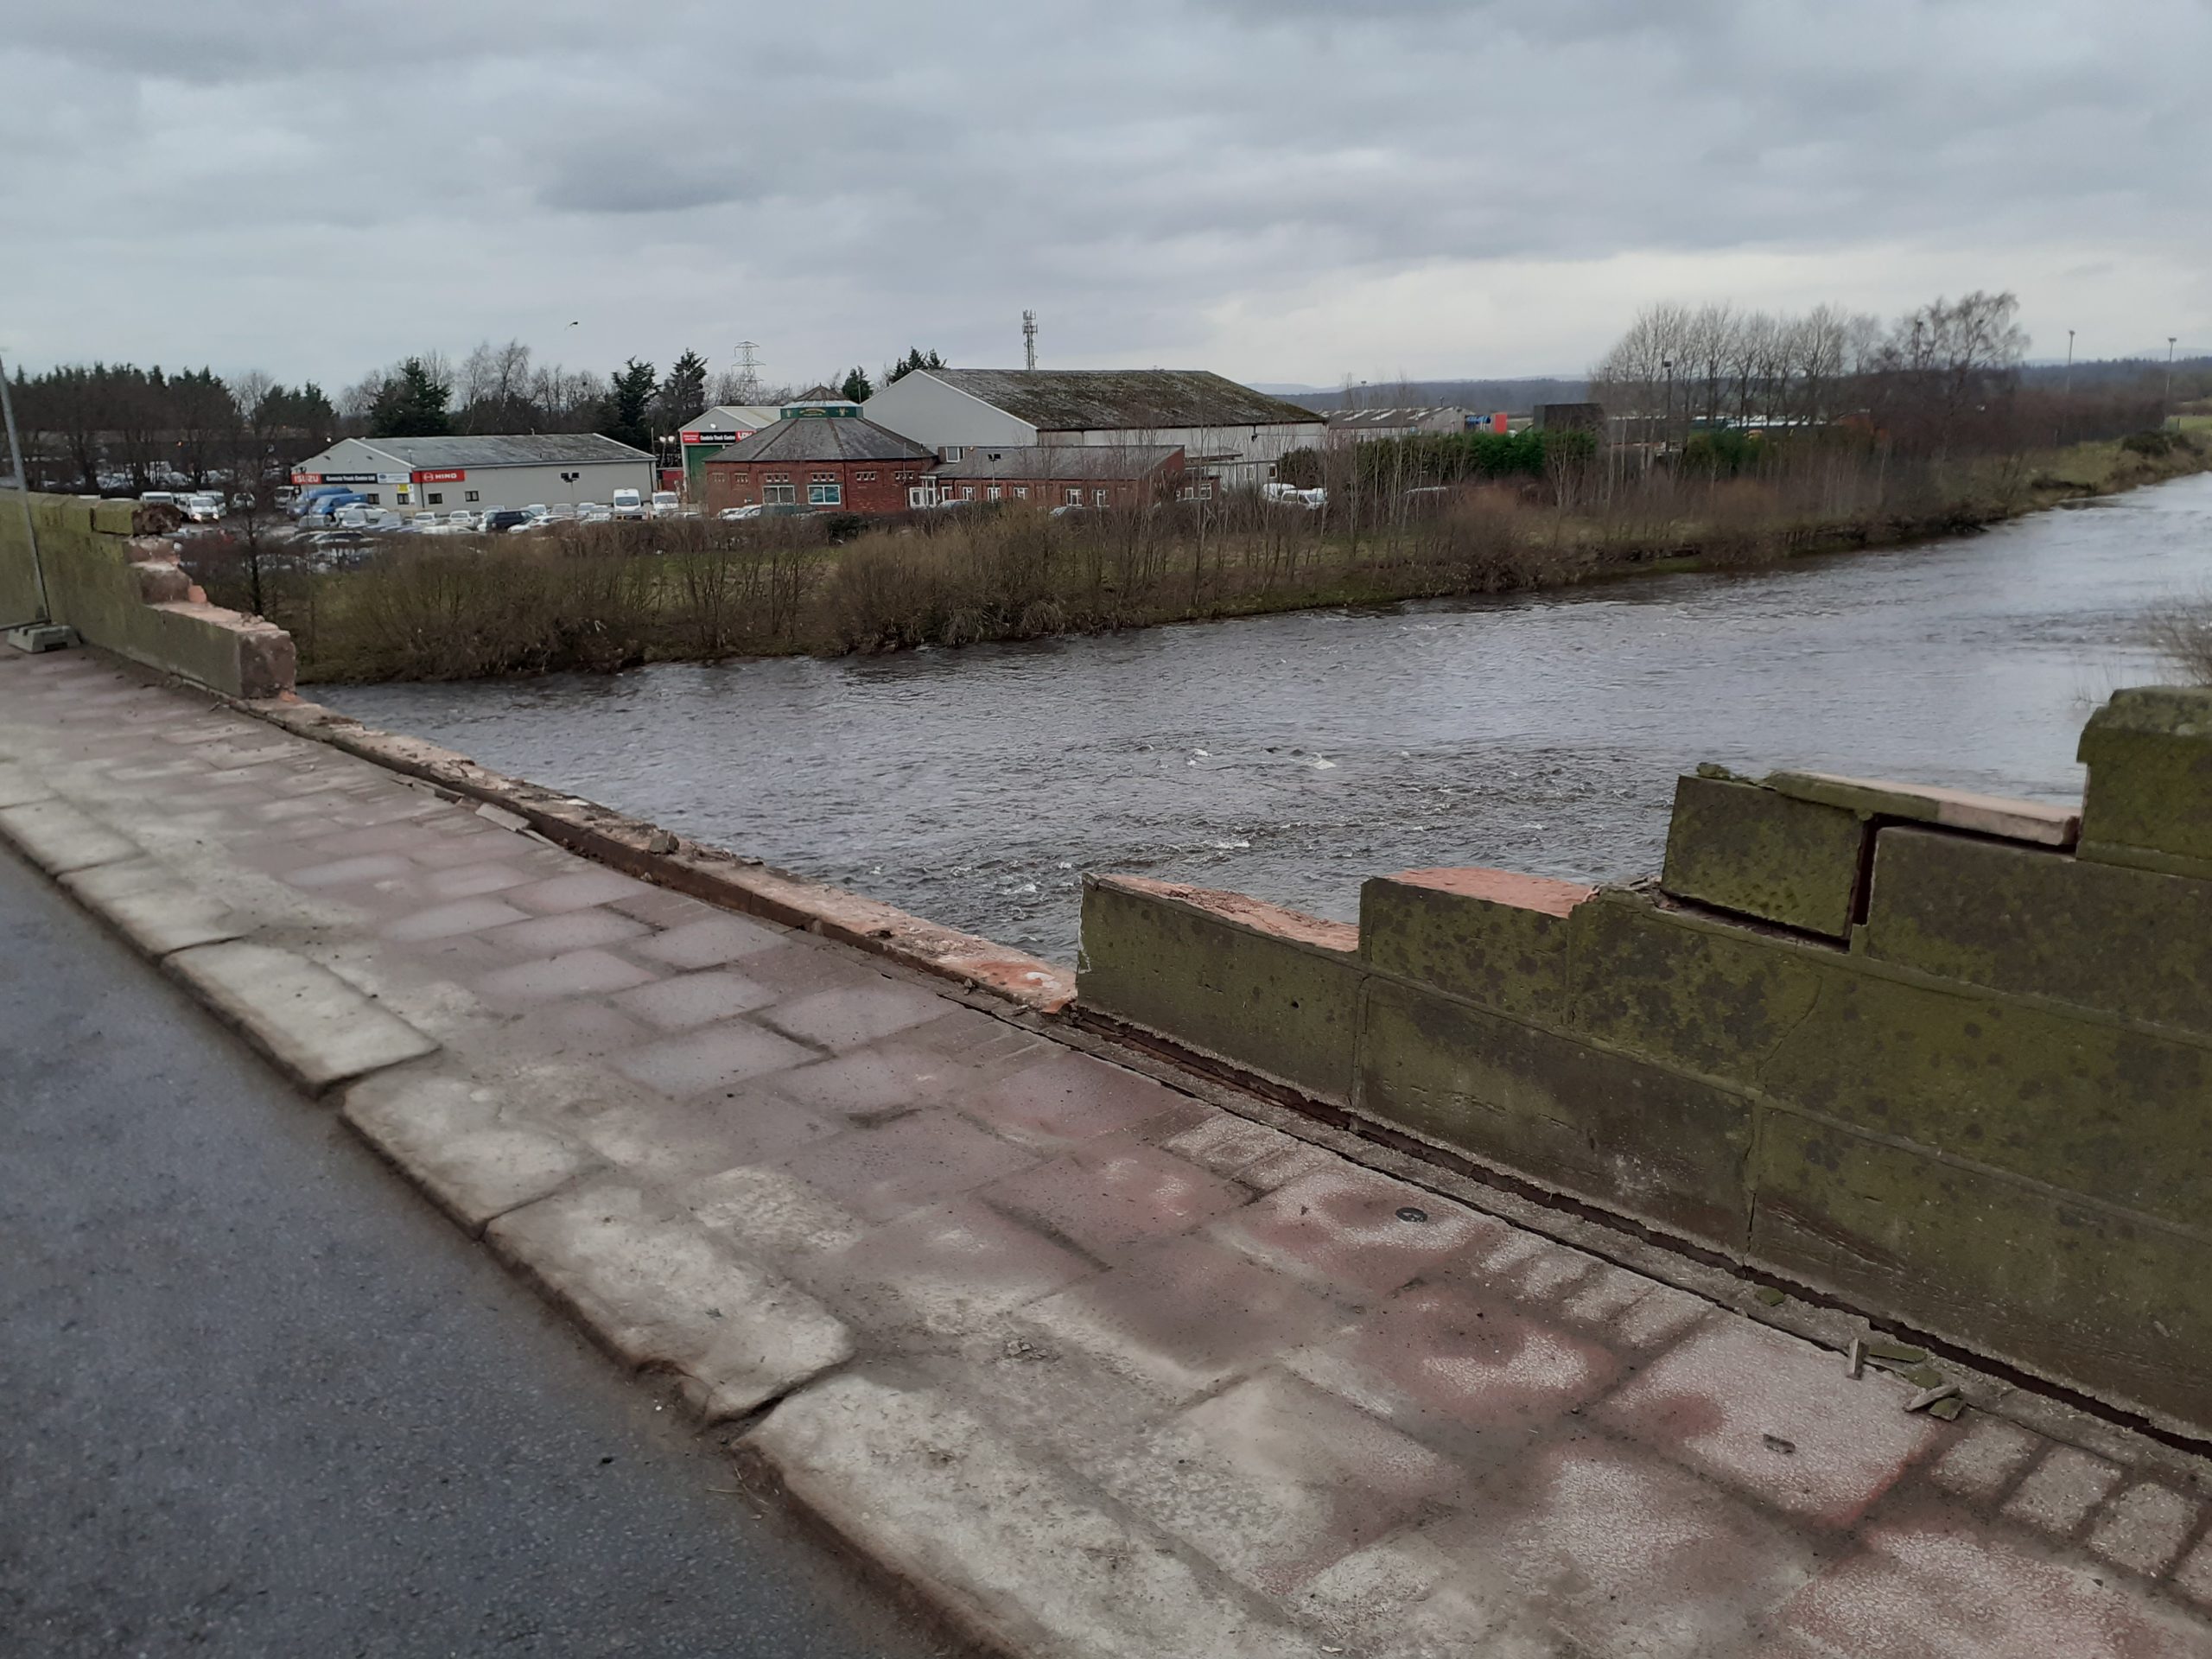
[(318, 1028), (447, 1136), (58, 838), (1741, 846), (1489, 936), (1266, 988), (2036, 822), (2133, 942), (1636, 1137), (660, 1291), (150, 903), (1016, 1549), (2149, 799), (20, 785), (2114, 1305)]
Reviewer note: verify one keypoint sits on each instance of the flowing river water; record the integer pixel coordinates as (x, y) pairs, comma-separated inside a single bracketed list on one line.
[(1290, 757)]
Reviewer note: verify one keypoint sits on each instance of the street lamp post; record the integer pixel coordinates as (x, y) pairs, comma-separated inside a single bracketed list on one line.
[(2166, 405), (30, 520), (2066, 398), (1666, 425)]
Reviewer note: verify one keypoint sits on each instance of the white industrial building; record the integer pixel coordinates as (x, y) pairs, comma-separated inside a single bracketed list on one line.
[(1226, 431), (480, 474)]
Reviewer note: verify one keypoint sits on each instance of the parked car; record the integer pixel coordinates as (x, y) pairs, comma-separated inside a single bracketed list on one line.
[(1289, 495), (591, 512), (500, 520), (201, 508), (325, 508), (156, 498), (667, 504), (628, 504), (304, 503)]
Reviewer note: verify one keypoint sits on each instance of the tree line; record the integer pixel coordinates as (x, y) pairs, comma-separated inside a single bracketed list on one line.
[(116, 427), (1945, 378)]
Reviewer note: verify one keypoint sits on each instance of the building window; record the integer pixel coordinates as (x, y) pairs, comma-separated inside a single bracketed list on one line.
[(955, 452), (435, 498), (472, 496), (779, 494), (1075, 497), (865, 478), (825, 495), (372, 498), (1099, 498), (991, 493), (967, 491), (1022, 492), (775, 478)]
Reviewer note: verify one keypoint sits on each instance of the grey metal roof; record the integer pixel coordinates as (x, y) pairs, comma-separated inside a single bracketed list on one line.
[(1429, 415), (1076, 400), (820, 437), (728, 417), (534, 450), (1058, 461)]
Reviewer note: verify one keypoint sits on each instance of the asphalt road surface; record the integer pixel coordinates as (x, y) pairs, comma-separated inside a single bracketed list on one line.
[(258, 1397)]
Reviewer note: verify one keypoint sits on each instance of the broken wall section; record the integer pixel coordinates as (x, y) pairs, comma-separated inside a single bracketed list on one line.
[(126, 593), (1946, 1058)]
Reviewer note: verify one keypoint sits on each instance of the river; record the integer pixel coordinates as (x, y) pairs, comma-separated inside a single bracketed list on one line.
[(1290, 757)]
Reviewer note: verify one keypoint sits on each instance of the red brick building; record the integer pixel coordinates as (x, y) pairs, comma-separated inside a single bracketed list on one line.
[(1065, 475), (819, 457)]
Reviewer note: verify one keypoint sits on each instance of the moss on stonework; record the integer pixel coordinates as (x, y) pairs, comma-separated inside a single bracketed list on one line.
[(1744, 848)]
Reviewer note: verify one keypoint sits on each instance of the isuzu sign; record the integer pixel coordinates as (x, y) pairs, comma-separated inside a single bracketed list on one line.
[(441, 475), (334, 478)]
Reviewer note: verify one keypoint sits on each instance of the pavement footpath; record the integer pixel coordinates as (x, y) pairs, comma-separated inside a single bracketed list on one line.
[(1104, 1360)]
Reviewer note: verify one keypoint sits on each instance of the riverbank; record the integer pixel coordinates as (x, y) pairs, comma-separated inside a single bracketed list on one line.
[(602, 598)]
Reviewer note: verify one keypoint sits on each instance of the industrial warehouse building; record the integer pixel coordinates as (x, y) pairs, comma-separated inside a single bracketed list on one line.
[(1226, 432), (1059, 475), (481, 472), (823, 454)]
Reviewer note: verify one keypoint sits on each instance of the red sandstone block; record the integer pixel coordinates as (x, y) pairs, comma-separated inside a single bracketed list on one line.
[(580, 973), (692, 1000), (587, 1029), (707, 941), (1069, 1098), (460, 916), (1935, 1584), (882, 1077), (1188, 1314), (947, 1270), (1777, 1420), (1259, 1157), (850, 1017), (2145, 1527), (2059, 1492), (468, 880), (577, 930), (372, 867), (1276, 1480), (577, 891), (714, 1057), (882, 1172), (1110, 1199), (1357, 1232), (1437, 1358), (671, 1140), (1984, 1459)]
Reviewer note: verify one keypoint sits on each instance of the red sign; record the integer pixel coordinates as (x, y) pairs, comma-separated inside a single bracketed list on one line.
[(307, 478), (713, 437), (441, 475)]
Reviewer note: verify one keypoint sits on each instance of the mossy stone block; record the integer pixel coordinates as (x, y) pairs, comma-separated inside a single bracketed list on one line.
[(2110, 1304), (2076, 1101), (1638, 1139), (2127, 942), (2149, 800), (1489, 936), (1270, 990), (1688, 989), (1742, 847)]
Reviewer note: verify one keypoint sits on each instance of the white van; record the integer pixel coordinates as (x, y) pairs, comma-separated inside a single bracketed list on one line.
[(628, 504), (666, 504)]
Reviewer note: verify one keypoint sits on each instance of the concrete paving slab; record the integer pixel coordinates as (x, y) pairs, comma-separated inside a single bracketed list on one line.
[(445, 1133), (58, 838), (659, 1290), (312, 1023), (1027, 1556), (20, 785), (150, 905)]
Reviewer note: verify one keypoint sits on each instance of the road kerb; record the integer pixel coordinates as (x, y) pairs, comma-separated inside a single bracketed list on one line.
[(446, 1134), (317, 1029), (58, 838), (659, 1292), (1023, 1554), (148, 905)]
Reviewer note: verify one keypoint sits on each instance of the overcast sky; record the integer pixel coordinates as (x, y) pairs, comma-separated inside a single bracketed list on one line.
[(1284, 190)]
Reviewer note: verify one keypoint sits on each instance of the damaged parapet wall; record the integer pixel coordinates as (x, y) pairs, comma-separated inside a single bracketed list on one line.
[(126, 593), (1949, 1058)]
